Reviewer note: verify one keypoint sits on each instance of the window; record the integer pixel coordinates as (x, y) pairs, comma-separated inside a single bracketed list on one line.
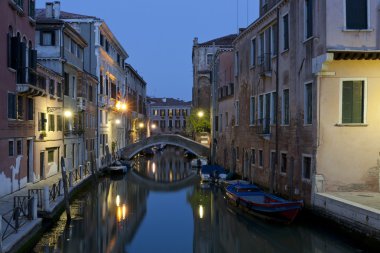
[(51, 87), (308, 14), (170, 125), (177, 123), (274, 39), (47, 38), (261, 48), (306, 167), (67, 84), (11, 106), (209, 58), (42, 121), (253, 156), (162, 123), (353, 101), (9, 47), (162, 112), (59, 90), (90, 93), (357, 14), (73, 89), (101, 38), (231, 88), (170, 112), (226, 119), (184, 123), (113, 90), (285, 22), (155, 112), (59, 123), (30, 108), (50, 155), (237, 60), (253, 52), (177, 112), (216, 123), (73, 47), (237, 111), (308, 112), (51, 122), (285, 107), (261, 158), (19, 147), (284, 161), (32, 8), (261, 108), (252, 111), (11, 148), (20, 107), (273, 115)]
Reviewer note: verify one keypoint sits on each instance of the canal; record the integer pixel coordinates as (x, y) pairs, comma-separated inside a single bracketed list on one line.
[(161, 206)]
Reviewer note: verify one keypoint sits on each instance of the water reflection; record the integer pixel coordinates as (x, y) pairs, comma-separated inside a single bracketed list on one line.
[(164, 167), (128, 215), (219, 227)]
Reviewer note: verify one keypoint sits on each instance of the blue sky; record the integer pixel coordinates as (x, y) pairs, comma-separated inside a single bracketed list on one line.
[(158, 34)]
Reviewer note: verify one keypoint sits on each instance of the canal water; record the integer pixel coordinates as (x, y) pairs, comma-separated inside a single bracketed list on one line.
[(161, 206)]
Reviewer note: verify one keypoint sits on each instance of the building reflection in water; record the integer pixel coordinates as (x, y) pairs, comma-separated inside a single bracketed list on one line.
[(164, 168), (219, 228), (105, 219)]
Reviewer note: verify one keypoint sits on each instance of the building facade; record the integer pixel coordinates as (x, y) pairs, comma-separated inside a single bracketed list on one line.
[(168, 115), (18, 71), (202, 57), (303, 100), (136, 105)]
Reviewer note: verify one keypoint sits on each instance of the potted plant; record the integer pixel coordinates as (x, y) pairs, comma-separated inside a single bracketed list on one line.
[(42, 135)]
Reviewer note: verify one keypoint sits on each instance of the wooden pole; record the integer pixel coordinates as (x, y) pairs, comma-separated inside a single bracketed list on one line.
[(65, 189)]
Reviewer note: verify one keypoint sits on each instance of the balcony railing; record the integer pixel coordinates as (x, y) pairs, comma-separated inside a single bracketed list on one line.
[(263, 126), (27, 83), (265, 63)]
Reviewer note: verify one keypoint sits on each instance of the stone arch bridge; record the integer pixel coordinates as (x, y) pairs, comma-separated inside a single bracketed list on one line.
[(171, 139)]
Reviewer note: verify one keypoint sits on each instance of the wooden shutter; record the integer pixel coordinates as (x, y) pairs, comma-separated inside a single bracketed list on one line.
[(21, 70), (9, 50), (347, 99), (15, 50), (357, 102)]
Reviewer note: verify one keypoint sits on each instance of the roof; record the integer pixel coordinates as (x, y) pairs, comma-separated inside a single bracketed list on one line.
[(222, 41), (135, 73), (41, 14), (168, 102)]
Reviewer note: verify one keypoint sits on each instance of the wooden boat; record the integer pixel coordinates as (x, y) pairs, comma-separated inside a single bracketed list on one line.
[(257, 202)]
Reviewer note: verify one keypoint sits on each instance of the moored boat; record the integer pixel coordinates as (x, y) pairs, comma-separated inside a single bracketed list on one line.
[(262, 204)]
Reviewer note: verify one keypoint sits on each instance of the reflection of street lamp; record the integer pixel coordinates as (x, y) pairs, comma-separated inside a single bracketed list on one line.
[(117, 121), (154, 126), (141, 125), (201, 211), (200, 114)]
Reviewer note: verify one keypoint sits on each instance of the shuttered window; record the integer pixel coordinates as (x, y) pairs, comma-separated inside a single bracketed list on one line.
[(11, 106), (285, 21), (356, 14), (353, 102), (309, 18)]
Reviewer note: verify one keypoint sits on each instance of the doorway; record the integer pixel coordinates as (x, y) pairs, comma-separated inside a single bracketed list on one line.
[(42, 165)]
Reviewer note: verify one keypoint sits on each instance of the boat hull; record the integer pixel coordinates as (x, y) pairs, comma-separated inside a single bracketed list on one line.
[(265, 205)]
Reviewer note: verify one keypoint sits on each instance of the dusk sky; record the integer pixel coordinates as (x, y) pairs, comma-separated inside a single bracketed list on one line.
[(158, 34)]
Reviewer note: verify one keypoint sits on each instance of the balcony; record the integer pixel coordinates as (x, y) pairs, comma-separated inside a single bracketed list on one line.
[(27, 83), (265, 64), (263, 126)]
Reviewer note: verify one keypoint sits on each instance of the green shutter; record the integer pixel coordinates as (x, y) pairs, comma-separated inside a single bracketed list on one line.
[(357, 109), (347, 102)]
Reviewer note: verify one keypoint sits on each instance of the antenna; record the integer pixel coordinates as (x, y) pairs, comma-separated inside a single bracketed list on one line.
[(237, 16), (247, 13)]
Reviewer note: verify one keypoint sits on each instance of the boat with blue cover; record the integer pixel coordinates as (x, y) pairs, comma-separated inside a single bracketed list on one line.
[(257, 202)]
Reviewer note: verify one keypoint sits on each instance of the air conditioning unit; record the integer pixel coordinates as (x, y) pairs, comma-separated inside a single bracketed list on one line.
[(81, 103)]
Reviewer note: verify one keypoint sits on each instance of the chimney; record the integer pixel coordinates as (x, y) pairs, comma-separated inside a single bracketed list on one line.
[(195, 41), (49, 10), (164, 100), (57, 9)]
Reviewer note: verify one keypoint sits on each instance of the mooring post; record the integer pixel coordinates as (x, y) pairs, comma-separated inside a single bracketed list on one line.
[(61, 187), (34, 207), (65, 189), (81, 172)]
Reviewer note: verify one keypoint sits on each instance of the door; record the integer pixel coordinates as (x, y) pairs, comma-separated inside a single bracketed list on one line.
[(42, 165)]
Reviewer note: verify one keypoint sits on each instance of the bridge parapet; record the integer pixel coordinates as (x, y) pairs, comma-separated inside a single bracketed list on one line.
[(171, 139)]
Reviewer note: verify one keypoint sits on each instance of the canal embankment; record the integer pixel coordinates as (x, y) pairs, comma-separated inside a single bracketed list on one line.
[(23, 213)]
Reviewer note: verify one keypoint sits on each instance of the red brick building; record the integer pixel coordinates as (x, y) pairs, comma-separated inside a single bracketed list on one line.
[(17, 73)]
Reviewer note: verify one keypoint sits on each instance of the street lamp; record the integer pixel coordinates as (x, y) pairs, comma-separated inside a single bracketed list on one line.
[(141, 125), (200, 114), (154, 126), (117, 121), (68, 114)]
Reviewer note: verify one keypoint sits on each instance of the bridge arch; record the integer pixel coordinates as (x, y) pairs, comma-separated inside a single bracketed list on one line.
[(170, 139)]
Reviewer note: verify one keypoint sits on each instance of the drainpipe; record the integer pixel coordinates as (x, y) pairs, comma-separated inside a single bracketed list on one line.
[(276, 167), (213, 110)]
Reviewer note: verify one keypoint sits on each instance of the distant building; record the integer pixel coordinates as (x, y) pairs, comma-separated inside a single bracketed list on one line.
[(136, 105), (17, 74), (202, 58), (168, 115)]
